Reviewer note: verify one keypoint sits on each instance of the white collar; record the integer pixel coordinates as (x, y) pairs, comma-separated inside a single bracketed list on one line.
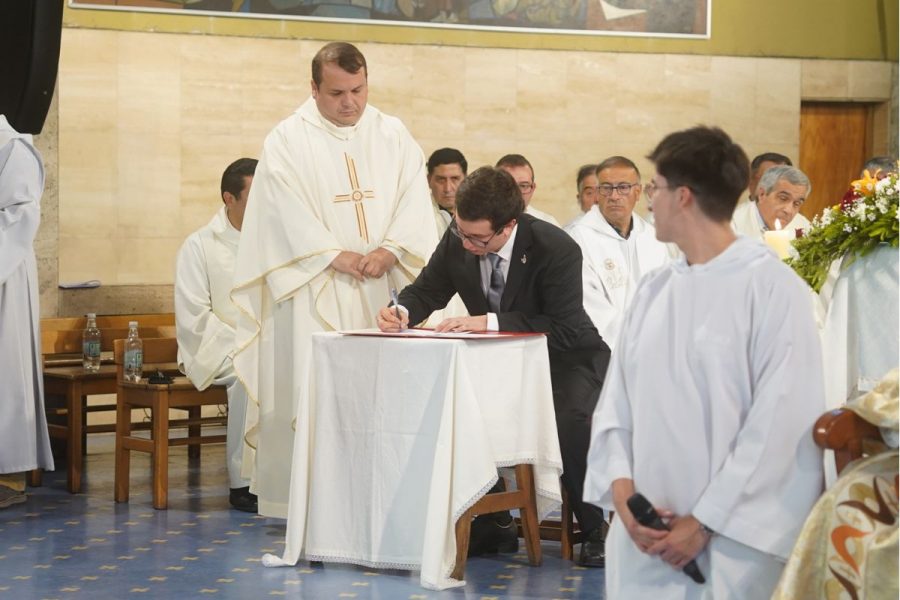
[(505, 252)]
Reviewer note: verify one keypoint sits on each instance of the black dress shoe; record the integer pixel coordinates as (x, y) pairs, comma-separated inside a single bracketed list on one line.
[(593, 548), (242, 499), (488, 536)]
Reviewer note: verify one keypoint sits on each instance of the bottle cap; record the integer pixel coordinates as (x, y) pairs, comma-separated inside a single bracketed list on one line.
[(132, 323), (92, 315)]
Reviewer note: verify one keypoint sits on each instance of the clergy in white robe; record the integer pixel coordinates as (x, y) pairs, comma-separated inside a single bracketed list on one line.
[(339, 214), (779, 196), (24, 443), (619, 247), (205, 316), (710, 398)]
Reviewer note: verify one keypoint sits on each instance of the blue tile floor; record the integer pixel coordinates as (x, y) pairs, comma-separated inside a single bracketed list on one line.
[(58, 545)]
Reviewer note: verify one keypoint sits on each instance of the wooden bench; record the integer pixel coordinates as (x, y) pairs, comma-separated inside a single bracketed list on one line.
[(67, 385), (159, 399)]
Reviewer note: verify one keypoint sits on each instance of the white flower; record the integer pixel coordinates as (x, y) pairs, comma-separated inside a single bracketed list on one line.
[(882, 205), (827, 217), (848, 228), (884, 185), (859, 211), (871, 216)]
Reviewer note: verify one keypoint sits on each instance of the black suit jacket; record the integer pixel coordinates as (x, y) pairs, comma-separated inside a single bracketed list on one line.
[(543, 291)]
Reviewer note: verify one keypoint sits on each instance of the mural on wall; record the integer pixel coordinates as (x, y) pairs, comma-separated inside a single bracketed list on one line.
[(654, 18)]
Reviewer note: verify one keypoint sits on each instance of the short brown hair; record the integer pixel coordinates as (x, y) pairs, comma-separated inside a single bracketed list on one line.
[(346, 56), (491, 194), (705, 160)]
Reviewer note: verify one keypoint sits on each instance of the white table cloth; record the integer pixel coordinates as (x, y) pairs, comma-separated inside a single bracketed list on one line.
[(401, 436), (860, 333)]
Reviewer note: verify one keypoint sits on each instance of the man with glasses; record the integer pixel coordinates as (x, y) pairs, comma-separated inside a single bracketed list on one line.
[(712, 392), (518, 273), (522, 171), (586, 182), (619, 247)]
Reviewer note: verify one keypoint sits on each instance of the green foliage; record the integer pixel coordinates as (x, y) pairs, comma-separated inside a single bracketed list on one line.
[(864, 219)]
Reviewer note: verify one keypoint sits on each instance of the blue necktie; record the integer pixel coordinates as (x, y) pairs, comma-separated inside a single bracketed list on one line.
[(495, 290)]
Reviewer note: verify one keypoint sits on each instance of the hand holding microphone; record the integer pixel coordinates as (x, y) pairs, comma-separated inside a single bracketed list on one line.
[(646, 515)]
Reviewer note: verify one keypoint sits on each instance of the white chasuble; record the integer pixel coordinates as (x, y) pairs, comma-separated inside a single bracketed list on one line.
[(24, 443), (613, 266), (708, 407), (318, 189)]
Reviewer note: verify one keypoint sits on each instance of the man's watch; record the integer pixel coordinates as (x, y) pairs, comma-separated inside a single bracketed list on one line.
[(706, 529)]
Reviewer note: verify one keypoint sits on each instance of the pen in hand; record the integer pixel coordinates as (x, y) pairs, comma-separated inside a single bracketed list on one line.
[(396, 302)]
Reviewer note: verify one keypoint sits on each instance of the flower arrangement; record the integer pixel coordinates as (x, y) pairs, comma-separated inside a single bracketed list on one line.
[(865, 218)]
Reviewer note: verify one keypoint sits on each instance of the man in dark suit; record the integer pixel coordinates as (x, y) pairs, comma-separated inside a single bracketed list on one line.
[(517, 273)]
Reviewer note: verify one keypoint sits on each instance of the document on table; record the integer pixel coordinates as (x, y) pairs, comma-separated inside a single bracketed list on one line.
[(414, 332)]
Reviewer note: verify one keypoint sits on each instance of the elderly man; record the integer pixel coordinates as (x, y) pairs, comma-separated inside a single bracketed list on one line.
[(447, 167), (619, 247), (586, 184), (518, 273), (779, 196), (335, 220), (205, 316), (711, 396), (522, 171), (759, 165)]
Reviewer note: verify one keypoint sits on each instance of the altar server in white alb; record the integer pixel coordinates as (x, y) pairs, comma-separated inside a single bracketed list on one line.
[(205, 317), (710, 398), (24, 443), (339, 214), (619, 247)]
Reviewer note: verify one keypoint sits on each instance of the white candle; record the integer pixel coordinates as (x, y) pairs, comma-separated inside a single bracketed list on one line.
[(779, 240)]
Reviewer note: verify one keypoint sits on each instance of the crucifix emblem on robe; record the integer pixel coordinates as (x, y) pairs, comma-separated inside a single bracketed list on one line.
[(356, 196)]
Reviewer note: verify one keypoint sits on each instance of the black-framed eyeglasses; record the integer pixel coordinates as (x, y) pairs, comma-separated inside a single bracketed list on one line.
[(454, 229), (607, 189)]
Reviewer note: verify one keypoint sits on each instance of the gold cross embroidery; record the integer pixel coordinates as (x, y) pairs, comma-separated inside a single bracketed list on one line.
[(356, 196)]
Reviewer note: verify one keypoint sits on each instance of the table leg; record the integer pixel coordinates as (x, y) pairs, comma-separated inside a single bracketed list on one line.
[(74, 436)]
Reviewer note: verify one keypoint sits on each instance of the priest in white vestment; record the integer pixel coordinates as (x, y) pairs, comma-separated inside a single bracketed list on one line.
[(779, 196), (24, 443), (710, 398), (205, 317), (619, 247), (339, 214), (522, 171)]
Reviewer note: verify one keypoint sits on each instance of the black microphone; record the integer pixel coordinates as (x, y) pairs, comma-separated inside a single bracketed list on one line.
[(647, 516)]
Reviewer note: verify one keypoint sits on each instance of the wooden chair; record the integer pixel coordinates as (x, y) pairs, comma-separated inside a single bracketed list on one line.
[(564, 530), (523, 499), (849, 435), (159, 399), (65, 378)]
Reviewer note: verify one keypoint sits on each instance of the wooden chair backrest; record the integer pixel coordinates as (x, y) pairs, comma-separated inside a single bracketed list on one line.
[(849, 435), (63, 336), (156, 350)]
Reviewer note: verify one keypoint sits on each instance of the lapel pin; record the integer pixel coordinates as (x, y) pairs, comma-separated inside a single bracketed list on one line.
[(524, 259)]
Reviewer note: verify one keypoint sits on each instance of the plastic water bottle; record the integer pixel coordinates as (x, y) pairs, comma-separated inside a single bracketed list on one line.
[(90, 345), (134, 354)]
